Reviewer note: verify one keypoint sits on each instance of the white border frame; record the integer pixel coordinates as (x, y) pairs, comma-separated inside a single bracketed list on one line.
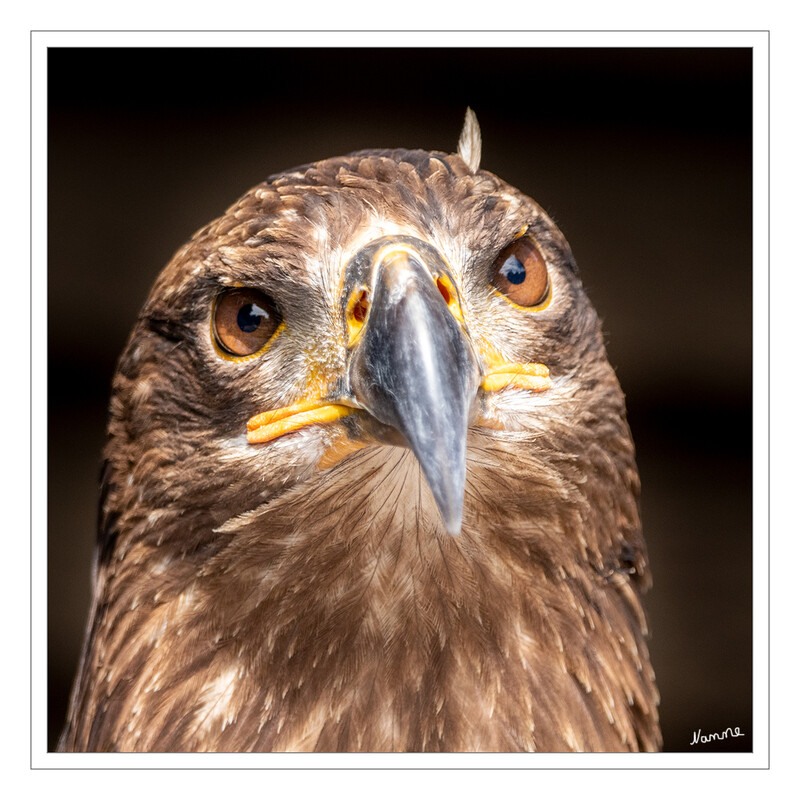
[(759, 42)]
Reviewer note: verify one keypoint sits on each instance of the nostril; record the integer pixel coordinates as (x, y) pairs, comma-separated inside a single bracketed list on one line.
[(443, 290), (450, 295), (361, 306), (357, 310)]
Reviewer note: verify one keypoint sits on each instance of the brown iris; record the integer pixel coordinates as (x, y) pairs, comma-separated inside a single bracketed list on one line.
[(520, 273), (244, 321)]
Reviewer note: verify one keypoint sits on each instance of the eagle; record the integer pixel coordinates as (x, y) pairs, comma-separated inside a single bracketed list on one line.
[(369, 484)]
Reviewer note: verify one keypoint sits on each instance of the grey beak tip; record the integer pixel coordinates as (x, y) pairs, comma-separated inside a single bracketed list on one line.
[(452, 517)]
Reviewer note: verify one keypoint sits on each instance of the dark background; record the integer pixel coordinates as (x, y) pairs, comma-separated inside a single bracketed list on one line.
[(642, 156)]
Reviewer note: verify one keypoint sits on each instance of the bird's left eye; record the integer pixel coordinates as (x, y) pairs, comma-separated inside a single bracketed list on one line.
[(520, 273), (244, 321)]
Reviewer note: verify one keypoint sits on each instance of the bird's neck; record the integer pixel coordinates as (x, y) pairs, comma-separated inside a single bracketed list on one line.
[(345, 599)]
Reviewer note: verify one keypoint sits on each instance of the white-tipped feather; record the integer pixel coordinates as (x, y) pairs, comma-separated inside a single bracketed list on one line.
[(469, 143)]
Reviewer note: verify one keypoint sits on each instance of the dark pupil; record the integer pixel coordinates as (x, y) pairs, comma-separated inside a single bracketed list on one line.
[(250, 317), (513, 270)]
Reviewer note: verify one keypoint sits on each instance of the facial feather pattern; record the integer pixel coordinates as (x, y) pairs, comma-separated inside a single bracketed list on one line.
[(325, 589)]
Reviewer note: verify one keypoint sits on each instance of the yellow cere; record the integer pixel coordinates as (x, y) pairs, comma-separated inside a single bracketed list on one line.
[(534, 377), (270, 425)]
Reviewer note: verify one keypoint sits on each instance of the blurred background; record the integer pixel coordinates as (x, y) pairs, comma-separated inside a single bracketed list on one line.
[(643, 158)]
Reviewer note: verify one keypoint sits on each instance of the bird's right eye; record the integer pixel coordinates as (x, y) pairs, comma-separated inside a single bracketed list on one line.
[(244, 320), (520, 273)]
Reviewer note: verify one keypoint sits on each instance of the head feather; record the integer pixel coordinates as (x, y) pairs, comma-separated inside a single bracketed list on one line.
[(469, 143)]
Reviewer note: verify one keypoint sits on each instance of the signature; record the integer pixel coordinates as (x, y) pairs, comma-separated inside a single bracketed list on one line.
[(704, 738)]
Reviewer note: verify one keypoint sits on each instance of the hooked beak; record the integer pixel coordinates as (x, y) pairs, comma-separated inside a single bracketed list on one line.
[(414, 369)]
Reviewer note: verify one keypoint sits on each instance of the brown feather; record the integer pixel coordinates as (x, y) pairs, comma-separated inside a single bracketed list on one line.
[(246, 599)]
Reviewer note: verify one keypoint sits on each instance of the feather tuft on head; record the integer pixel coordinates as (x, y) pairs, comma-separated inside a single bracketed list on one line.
[(469, 143)]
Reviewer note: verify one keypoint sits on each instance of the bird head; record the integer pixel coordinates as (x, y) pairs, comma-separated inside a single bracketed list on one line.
[(381, 300)]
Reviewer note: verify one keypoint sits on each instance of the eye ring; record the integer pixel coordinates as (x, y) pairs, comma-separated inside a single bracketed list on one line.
[(243, 322), (520, 274)]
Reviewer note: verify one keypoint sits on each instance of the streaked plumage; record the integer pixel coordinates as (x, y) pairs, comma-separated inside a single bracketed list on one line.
[(304, 593)]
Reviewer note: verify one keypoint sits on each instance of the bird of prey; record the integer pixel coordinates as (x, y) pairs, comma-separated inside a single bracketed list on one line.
[(369, 484)]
